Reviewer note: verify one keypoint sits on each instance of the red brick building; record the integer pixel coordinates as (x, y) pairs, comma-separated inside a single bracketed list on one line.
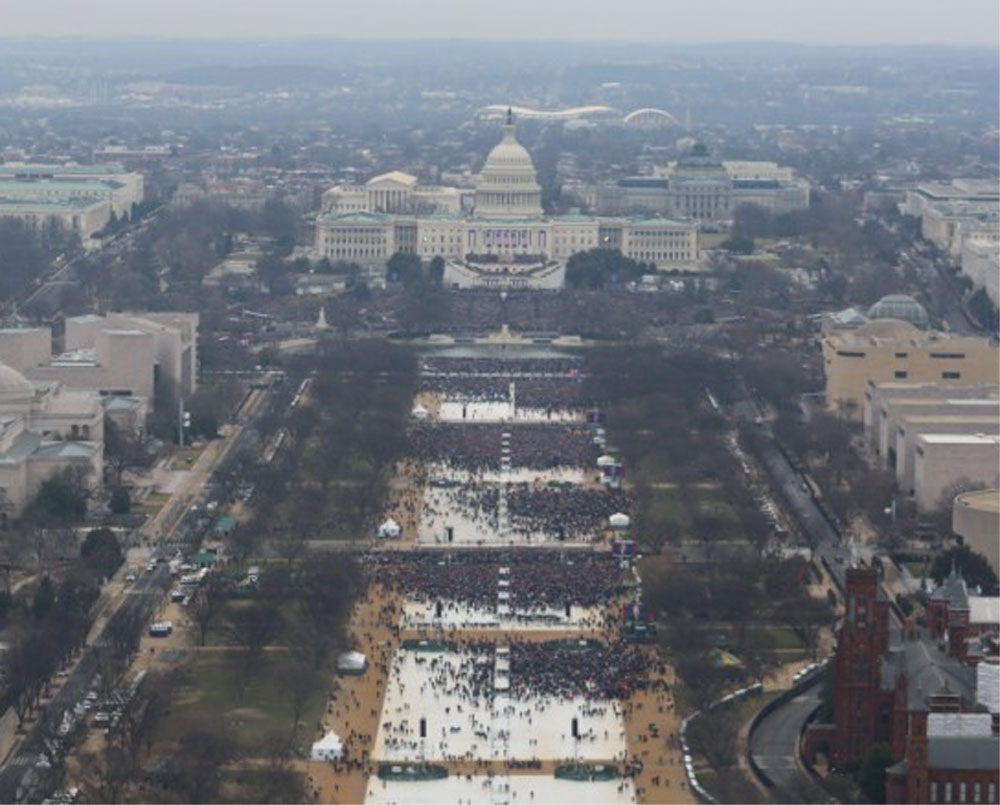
[(931, 695)]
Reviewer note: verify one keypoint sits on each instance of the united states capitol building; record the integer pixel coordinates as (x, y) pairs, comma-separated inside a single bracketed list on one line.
[(503, 241)]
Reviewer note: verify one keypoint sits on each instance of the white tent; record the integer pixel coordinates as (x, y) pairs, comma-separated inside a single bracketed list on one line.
[(329, 747), (390, 529), (606, 461), (352, 662), (419, 412), (619, 520)]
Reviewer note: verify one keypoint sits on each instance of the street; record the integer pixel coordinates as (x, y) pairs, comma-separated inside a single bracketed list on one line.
[(774, 746)]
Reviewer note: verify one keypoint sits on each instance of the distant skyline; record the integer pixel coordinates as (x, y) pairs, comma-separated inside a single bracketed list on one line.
[(957, 22)]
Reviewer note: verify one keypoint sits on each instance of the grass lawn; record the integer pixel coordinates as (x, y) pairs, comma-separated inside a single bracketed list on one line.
[(668, 507), (184, 457), (152, 504), (209, 696), (783, 637), (720, 509)]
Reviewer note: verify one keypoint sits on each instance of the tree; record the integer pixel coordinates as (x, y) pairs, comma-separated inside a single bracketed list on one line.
[(596, 268), (124, 449), (44, 598), (806, 616), (197, 766), (405, 268), (301, 680), (715, 733), (120, 502), (108, 773), (278, 781), (207, 605), (984, 311), (973, 567), (28, 665), (871, 775), (700, 676), (60, 501), (252, 628), (738, 244), (435, 270), (101, 552)]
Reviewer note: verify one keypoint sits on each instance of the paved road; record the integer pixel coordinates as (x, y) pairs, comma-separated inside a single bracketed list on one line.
[(20, 778), (942, 289), (826, 541), (774, 747)]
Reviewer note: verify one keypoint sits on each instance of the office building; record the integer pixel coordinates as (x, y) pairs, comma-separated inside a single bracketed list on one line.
[(891, 350), (121, 354)]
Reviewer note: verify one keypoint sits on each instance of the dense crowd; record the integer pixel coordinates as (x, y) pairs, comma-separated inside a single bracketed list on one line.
[(565, 512), (476, 447), (505, 366), (537, 578), (464, 446), (610, 671), (534, 392)]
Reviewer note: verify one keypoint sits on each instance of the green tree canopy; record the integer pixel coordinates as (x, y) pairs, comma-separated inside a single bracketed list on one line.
[(598, 268), (101, 551), (871, 775), (974, 567), (60, 501)]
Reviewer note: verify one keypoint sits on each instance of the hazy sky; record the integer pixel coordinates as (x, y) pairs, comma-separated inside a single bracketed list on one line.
[(862, 21)]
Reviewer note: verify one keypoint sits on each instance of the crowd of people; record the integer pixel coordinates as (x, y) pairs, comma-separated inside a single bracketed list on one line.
[(608, 671), (564, 512), (537, 579), (504, 366), (531, 392), (477, 447)]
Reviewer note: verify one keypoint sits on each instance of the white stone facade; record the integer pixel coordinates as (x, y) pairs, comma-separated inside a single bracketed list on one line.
[(981, 264), (43, 431), (943, 459), (507, 222), (123, 354)]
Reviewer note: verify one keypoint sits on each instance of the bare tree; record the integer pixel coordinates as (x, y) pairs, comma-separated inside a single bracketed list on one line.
[(301, 680), (207, 605), (107, 774)]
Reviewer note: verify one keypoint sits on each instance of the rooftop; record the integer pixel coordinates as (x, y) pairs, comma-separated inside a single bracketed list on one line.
[(24, 205), (987, 500), (67, 450), (960, 438), (963, 752), (929, 671), (27, 187), (23, 168), (984, 609)]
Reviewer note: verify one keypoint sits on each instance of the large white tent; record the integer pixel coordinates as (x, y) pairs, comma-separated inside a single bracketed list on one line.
[(419, 412), (329, 747), (619, 520), (352, 662), (390, 529)]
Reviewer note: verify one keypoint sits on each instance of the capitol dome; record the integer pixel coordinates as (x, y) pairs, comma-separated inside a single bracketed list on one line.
[(508, 185), (902, 307), (509, 154)]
